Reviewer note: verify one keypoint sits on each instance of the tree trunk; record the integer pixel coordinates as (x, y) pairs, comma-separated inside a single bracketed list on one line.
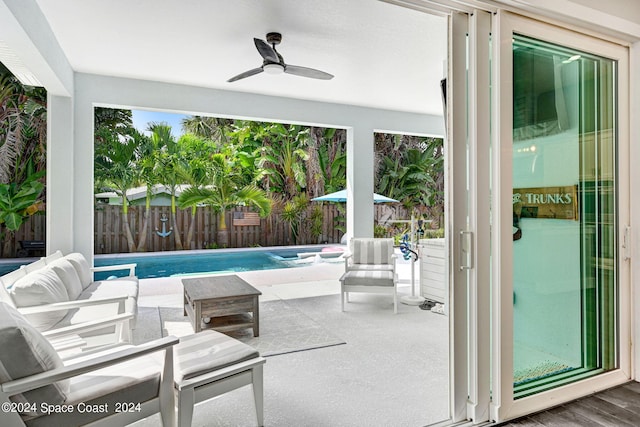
[(176, 230), (8, 239), (191, 228), (127, 229), (223, 233), (315, 178), (142, 235)]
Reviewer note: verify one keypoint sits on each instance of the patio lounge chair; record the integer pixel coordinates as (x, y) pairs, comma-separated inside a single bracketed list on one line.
[(116, 386), (370, 267)]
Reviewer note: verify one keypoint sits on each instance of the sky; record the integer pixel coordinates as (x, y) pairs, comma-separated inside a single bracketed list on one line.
[(142, 117)]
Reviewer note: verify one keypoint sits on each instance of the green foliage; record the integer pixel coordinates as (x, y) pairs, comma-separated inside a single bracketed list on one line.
[(17, 202), (294, 212), (23, 126), (379, 231), (223, 190), (411, 169), (279, 153), (433, 233), (115, 163), (315, 222)]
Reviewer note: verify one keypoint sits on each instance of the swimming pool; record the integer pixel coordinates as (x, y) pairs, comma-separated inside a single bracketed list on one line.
[(181, 263)]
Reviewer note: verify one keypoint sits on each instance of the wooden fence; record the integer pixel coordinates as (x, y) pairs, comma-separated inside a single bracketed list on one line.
[(109, 236)]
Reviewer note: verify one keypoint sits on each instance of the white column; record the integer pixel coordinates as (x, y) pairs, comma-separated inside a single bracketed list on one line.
[(60, 174), (360, 153), (83, 177)]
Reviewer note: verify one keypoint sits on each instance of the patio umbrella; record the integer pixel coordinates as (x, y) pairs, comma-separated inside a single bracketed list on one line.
[(341, 196)]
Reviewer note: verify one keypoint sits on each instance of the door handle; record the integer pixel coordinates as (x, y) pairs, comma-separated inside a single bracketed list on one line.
[(626, 243), (466, 250)]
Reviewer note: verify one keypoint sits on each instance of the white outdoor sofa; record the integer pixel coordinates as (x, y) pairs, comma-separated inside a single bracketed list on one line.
[(58, 292)]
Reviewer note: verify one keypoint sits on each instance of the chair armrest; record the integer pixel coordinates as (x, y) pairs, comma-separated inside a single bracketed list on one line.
[(66, 343), (347, 256), (89, 326), (39, 380), (71, 304), (116, 267)]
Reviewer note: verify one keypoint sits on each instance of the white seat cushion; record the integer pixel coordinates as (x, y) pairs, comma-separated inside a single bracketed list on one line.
[(40, 287), (372, 251), (134, 381), (208, 351), (371, 267), (368, 278), (104, 289), (82, 268), (26, 352), (66, 271)]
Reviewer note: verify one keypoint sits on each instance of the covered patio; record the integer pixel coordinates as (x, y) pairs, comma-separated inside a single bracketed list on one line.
[(400, 94), (392, 369), (388, 58)]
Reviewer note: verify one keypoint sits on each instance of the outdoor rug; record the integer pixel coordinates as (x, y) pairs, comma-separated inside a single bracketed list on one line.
[(283, 328)]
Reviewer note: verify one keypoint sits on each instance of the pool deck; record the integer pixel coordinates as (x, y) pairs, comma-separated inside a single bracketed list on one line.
[(288, 283)]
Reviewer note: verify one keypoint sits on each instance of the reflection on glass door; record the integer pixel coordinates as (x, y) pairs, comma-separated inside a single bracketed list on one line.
[(564, 216)]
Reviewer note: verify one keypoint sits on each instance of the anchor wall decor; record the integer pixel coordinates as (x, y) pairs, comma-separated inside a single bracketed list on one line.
[(164, 232)]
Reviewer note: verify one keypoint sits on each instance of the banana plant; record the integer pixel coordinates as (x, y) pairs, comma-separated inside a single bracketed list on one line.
[(18, 202)]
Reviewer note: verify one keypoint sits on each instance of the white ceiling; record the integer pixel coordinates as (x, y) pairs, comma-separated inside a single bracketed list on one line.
[(382, 55)]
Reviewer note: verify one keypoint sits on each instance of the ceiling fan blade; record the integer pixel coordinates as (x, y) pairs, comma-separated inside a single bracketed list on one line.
[(307, 72), (268, 53), (245, 74)]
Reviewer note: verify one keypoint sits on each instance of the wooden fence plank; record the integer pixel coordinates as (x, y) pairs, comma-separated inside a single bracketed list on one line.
[(109, 236)]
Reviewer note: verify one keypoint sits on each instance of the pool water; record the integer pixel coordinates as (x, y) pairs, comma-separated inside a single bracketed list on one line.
[(177, 265), (195, 262)]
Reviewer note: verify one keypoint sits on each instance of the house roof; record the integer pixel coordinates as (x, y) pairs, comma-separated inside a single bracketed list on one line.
[(141, 192)]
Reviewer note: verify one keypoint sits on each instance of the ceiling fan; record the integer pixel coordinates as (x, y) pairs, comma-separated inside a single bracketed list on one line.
[(274, 63)]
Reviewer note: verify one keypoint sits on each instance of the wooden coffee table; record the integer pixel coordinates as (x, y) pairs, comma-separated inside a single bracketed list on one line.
[(230, 303)]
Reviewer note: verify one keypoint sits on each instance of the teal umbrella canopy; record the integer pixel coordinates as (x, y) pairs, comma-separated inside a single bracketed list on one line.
[(341, 196)]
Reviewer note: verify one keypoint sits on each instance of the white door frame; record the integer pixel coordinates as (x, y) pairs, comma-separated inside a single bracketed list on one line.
[(468, 157), (503, 405), (479, 280), (456, 208)]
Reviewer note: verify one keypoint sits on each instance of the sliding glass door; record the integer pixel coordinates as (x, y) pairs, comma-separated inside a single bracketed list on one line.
[(562, 279), (564, 215)]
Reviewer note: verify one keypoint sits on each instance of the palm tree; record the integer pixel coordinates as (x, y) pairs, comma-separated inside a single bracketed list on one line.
[(223, 193), (115, 166), (212, 128), (197, 170), (146, 153), (168, 168)]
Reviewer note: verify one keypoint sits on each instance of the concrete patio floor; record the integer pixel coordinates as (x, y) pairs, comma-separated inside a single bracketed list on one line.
[(393, 370)]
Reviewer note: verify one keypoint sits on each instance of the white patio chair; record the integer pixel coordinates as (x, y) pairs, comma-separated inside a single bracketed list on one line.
[(209, 364), (116, 386), (370, 267)]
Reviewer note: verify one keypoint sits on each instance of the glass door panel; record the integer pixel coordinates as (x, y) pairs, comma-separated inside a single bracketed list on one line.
[(564, 215)]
